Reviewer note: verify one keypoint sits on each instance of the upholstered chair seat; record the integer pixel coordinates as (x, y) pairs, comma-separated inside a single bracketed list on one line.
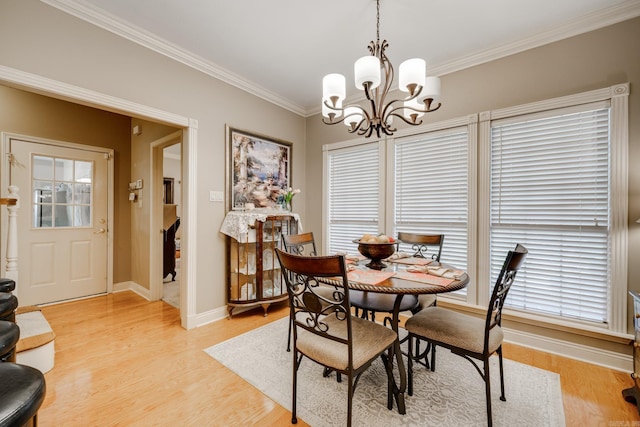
[(367, 340), (457, 329)]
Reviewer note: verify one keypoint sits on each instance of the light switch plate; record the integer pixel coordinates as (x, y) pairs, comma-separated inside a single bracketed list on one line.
[(216, 196)]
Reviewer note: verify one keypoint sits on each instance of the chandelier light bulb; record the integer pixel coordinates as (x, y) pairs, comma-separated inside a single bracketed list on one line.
[(334, 85), (412, 74), (431, 89), (367, 69), (352, 116), (412, 115)]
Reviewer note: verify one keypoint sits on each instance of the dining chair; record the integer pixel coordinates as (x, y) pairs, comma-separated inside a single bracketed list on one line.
[(303, 244), (324, 329), (423, 246), (300, 244), (469, 336)]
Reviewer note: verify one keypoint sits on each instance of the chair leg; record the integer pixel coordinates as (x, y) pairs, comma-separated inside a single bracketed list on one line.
[(487, 382), (502, 396), (433, 357), (296, 363), (410, 365), (289, 337), (350, 399), (388, 366)]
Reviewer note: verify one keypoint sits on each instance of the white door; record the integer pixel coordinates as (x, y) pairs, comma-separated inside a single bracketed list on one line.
[(62, 221)]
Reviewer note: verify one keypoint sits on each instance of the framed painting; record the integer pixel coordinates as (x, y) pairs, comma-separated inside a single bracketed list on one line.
[(259, 168)]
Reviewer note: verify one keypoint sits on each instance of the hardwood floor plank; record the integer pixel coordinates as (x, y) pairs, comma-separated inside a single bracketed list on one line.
[(124, 361)]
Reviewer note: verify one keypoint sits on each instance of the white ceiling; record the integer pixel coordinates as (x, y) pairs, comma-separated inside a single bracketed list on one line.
[(281, 49)]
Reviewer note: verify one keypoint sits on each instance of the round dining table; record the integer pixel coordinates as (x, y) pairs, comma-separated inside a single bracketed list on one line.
[(403, 288)]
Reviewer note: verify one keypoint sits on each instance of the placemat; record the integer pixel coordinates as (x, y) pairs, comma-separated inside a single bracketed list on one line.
[(411, 261), (424, 278), (368, 277)]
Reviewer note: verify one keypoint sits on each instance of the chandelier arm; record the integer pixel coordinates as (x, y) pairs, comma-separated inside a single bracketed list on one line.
[(430, 110), (409, 122)]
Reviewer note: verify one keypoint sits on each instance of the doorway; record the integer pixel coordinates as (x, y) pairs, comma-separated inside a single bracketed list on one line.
[(65, 225), (172, 213), (189, 129), (166, 276)]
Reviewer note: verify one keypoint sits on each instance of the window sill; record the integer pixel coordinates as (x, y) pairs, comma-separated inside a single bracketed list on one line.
[(542, 322)]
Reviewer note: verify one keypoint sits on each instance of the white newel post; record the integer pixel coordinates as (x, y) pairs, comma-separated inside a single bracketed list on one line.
[(11, 268)]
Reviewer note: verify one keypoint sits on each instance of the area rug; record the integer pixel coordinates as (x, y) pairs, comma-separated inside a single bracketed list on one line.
[(453, 395)]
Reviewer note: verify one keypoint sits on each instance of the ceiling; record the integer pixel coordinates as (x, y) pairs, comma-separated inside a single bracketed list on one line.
[(280, 49)]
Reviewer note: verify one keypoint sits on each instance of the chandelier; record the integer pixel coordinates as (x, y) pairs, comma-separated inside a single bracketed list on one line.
[(369, 70)]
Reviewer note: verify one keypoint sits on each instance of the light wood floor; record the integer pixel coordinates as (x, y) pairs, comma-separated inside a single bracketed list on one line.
[(124, 361)]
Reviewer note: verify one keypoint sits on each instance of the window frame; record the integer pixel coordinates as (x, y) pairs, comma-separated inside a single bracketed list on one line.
[(479, 209), (618, 153)]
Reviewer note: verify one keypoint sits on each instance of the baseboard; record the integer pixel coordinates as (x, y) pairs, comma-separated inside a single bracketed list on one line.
[(210, 316), (132, 286), (596, 356)]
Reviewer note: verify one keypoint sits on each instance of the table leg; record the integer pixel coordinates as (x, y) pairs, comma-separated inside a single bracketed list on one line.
[(399, 391)]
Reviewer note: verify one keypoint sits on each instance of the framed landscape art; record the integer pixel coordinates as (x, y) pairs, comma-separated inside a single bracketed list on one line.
[(259, 167)]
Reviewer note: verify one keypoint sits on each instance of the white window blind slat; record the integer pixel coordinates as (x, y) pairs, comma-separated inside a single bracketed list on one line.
[(353, 195), (430, 190), (550, 191)]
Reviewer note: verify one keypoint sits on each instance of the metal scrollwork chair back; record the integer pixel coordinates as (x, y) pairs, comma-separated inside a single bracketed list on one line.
[(323, 328), (468, 336)]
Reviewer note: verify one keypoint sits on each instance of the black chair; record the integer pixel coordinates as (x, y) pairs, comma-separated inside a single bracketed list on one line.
[(468, 336), (7, 285), (325, 331), (8, 305), (9, 336), (370, 302), (22, 388), (22, 391)]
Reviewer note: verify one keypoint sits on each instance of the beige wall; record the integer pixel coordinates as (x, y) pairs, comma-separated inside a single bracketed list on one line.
[(590, 61), (35, 115), (39, 39), (141, 210), (42, 40)]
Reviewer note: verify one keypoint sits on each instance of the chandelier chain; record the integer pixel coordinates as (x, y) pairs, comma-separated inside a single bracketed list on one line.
[(378, 21)]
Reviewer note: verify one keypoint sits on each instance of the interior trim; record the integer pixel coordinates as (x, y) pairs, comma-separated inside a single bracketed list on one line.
[(100, 18)]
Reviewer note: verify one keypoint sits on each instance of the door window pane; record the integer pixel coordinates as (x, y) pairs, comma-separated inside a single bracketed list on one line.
[(61, 196), (64, 170), (42, 167)]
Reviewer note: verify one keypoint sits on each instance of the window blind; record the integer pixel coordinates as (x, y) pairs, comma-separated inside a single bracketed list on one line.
[(354, 195), (431, 194), (550, 192)]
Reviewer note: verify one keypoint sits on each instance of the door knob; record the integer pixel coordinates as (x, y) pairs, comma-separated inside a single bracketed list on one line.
[(101, 231)]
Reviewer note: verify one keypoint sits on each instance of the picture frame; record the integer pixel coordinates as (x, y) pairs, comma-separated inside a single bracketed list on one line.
[(258, 169)]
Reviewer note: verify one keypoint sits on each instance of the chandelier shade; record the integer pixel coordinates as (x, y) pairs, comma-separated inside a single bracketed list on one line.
[(374, 75), (367, 70)]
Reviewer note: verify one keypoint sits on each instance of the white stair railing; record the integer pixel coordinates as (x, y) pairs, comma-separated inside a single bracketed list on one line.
[(13, 204)]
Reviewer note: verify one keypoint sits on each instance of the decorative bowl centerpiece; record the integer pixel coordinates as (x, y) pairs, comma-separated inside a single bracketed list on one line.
[(376, 248)]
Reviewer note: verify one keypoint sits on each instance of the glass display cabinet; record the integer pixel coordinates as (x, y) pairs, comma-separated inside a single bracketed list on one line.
[(254, 276), (632, 394)]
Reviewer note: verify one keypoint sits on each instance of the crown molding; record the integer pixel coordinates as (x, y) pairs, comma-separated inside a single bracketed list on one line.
[(590, 22), (111, 23), (89, 13)]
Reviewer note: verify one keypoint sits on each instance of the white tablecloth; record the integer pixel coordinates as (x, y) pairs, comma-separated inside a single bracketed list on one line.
[(237, 223)]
